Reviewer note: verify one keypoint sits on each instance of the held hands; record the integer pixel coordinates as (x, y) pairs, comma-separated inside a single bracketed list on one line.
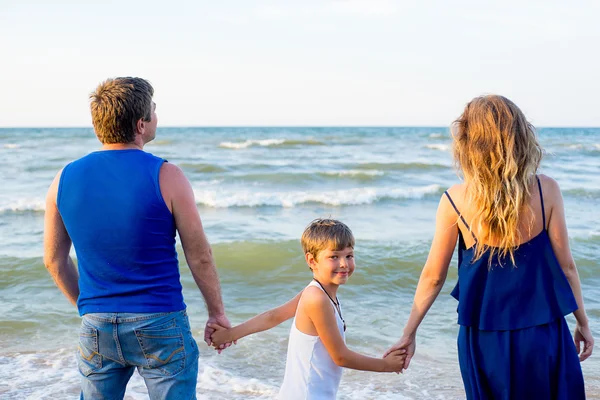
[(220, 321), (394, 361), (220, 337), (408, 343), (583, 334)]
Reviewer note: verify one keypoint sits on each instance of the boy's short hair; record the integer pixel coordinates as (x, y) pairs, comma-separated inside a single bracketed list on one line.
[(322, 234)]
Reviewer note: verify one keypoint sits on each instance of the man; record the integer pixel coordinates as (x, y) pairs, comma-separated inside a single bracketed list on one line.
[(121, 207)]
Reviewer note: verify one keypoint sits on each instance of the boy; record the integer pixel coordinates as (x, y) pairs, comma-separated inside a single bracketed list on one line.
[(317, 350)]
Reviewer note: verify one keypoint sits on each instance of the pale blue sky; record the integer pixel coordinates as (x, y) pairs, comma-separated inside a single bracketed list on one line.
[(303, 62)]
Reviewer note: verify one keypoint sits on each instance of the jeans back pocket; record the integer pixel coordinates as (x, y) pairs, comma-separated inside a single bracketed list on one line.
[(163, 347), (88, 358)]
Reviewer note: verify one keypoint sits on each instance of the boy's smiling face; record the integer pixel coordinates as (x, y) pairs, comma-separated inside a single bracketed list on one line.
[(332, 266)]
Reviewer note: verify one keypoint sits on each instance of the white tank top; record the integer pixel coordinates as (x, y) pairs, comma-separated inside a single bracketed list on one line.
[(310, 373)]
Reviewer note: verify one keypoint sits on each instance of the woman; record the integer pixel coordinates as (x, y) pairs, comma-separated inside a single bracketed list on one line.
[(516, 278)]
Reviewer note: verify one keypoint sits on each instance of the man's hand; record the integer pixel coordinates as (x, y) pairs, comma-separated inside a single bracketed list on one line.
[(406, 342), (208, 331), (220, 336)]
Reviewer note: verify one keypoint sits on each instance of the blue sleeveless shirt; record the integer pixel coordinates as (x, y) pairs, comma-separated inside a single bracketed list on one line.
[(505, 296), (122, 231)]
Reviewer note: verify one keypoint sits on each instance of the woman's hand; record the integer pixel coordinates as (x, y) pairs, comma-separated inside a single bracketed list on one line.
[(394, 361), (408, 342), (583, 334)]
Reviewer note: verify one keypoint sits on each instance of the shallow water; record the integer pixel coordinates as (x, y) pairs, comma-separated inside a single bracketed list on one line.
[(256, 190)]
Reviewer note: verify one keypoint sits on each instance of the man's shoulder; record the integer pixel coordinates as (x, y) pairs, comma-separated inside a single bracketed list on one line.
[(173, 183), (170, 170)]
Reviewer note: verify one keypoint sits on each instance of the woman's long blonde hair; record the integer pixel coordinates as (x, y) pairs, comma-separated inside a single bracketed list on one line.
[(497, 151)]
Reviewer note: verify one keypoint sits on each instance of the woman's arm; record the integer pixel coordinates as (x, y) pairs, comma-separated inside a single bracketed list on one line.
[(432, 277), (559, 239), (261, 322), (318, 308)]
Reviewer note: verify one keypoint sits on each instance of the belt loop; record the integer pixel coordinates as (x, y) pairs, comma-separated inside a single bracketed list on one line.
[(114, 318)]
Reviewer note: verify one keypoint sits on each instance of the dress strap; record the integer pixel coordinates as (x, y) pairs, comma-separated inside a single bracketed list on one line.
[(460, 215), (542, 201)]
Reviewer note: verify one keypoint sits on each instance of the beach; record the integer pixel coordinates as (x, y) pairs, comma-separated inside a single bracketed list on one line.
[(256, 190)]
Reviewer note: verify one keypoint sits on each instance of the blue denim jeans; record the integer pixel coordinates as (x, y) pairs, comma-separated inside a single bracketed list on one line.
[(160, 346)]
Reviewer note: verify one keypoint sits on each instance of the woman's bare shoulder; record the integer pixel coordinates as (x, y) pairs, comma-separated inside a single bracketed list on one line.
[(548, 182), (457, 192), (550, 187)]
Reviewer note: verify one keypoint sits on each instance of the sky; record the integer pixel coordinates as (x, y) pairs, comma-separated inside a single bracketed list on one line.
[(302, 62)]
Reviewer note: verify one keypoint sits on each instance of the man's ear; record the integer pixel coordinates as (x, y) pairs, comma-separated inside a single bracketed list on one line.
[(140, 126)]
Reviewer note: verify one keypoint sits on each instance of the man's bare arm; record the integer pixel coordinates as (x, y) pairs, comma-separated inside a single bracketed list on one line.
[(57, 245), (179, 196)]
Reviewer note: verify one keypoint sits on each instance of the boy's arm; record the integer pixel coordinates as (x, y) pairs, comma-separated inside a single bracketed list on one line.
[(261, 322), (319, 309)]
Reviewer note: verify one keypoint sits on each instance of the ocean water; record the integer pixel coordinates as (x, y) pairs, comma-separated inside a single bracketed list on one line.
[(256, 190)]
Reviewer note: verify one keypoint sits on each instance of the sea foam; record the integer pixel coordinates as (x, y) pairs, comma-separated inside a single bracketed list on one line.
[(54, 375), (354, 172), (346, 197), (438, 146), (249, 143), (23, 204), (270, 143)]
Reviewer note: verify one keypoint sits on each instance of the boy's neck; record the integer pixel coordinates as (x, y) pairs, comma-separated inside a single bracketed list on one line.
[(331, 288)]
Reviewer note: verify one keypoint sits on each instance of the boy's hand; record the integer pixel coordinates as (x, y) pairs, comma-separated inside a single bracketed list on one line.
[(408, 342), (218, 320), (220, 337), (395, 361)]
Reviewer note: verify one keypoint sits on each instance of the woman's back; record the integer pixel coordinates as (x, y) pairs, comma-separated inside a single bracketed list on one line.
[(514, 342), (498, 292), (530, 224)]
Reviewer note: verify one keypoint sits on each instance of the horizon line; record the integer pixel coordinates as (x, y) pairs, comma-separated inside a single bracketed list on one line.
[(285, 126)]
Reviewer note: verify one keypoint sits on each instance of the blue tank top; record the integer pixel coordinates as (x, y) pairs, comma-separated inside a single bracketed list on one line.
[(122, 231), (505, 296)]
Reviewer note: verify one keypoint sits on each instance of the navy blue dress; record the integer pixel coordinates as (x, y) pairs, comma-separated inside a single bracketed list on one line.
[(514, 342)]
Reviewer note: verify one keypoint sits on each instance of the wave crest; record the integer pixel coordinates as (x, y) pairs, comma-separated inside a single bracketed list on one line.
[(269, 143), (583, 193), (200, 167), (337, 198), (397, 166), (438, 146), (23, 205)]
